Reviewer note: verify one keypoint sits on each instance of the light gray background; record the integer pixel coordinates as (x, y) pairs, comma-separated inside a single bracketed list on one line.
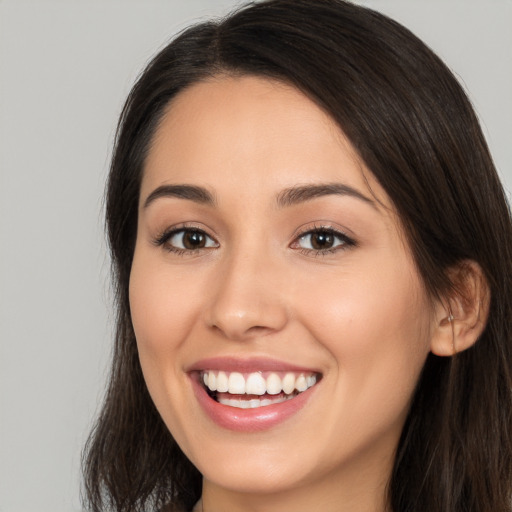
[(65, 69)]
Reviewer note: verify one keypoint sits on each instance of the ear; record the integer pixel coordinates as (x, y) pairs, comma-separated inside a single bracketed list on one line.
[(461, 316)]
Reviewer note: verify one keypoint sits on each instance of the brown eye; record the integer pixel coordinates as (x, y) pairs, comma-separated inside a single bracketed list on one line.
[(189, 240), (194, 240), (319, 240), (322, 240)]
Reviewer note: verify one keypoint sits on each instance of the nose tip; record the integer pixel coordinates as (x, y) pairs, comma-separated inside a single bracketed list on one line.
[(247, 304), (246, 323)]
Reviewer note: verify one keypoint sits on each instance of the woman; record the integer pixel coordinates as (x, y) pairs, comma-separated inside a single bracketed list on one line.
[(312, 254)]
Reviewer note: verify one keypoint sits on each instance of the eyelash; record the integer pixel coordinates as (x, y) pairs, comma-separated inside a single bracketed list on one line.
[(345, 241), (163, 239)]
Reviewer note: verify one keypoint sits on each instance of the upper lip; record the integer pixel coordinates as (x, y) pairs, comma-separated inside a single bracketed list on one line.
[(247, 365)]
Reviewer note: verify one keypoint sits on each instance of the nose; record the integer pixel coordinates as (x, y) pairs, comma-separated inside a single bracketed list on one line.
[(248, 299)]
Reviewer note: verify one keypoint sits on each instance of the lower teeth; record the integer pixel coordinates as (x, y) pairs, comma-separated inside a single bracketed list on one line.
[(253, 403)]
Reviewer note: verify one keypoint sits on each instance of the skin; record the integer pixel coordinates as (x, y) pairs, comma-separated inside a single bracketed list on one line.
[(358, 314)]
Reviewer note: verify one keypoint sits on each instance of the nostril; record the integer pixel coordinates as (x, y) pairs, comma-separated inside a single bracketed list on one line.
[(240, 329), (259, 329), (244, 307)]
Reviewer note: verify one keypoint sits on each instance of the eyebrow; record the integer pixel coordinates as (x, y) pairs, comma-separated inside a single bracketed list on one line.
[(303, 193), (191, 192), (288, 197)]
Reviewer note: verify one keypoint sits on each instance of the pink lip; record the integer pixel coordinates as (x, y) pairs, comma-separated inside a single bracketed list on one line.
[(247, 420), (255, 364)]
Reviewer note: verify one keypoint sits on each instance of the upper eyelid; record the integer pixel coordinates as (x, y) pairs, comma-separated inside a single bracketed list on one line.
[(306, 229), (349, 240), (302, 231), (168, 232)]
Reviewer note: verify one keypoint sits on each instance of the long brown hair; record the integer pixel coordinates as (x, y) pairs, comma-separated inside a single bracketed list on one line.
[(415, 129)]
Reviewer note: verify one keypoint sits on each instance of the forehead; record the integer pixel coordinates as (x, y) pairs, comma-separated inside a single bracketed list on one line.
[(252, 132)]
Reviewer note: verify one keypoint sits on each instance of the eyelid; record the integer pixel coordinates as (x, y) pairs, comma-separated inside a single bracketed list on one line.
[(323, 225), (301, 232), (339, 233), (164, 236)]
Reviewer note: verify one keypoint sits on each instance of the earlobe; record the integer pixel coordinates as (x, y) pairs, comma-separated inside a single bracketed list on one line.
[(461, 317)]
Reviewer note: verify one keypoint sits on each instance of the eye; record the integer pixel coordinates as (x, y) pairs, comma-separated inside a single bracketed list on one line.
[(190, 240), (322, 240), (186, 240)]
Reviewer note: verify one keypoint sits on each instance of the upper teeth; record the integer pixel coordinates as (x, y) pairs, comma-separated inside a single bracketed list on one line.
[(256, 383)]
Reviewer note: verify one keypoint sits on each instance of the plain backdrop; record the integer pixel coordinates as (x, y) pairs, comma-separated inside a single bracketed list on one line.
[(65, 69)]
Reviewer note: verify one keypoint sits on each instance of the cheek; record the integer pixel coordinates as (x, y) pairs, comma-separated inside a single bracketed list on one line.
[(376, 327), (363, 305), (160, 316), (161, 320)]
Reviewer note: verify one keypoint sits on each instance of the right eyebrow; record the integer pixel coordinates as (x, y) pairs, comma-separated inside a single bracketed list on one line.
[(191, 192)]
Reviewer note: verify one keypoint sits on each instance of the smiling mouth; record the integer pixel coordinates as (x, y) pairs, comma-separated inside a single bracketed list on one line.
[(256, 389)]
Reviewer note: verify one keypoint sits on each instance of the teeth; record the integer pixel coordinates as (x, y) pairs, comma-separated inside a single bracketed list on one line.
[(274, 384), (289, 383), (212, 381), (254, 402), (222, 382), (255, 383), (301, 384), (236, 384)]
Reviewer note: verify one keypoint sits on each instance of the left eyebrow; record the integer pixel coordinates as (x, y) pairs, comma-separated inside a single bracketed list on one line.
[(303, 193)]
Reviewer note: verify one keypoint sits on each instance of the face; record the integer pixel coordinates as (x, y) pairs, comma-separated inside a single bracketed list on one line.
[(270, 265)]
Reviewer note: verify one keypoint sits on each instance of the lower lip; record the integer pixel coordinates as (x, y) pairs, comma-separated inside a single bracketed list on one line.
[(249, 420)]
